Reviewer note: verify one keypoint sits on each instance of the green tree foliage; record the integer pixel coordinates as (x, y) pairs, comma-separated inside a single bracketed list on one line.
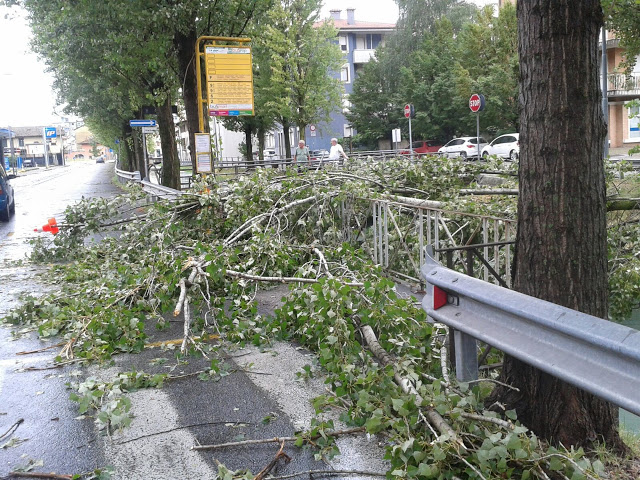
[(296, 53), (107, 56), (623, 17), (438, 77)]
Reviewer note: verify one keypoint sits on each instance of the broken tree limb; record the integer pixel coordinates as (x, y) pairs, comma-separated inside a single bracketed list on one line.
[(335, 433), (254, 221), (265, 471), (311, 473), (13, 427), (258, 278), (623, 204), (40, 475), (491, 191), (434, 417)]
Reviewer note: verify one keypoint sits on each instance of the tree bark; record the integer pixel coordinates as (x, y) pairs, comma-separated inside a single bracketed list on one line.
[(170, 161), (286, 126), (185, 44), (138, 151), (561, 251), (248, 134)]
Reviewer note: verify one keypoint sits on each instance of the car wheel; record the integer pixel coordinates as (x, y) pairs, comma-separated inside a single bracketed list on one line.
[(13, 206), (463, 155), (513, 156), (485, 155), (5, 214)]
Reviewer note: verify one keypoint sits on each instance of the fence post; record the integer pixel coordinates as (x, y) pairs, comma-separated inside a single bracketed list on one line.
[(466, 353)]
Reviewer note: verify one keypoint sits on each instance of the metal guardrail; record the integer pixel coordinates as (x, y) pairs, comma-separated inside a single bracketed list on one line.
[(590, 353), (159, 191), (124, 176)]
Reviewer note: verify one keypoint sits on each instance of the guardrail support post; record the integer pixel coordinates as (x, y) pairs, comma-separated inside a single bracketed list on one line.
[(466, 356)]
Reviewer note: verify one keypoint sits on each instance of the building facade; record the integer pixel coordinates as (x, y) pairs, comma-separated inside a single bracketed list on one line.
[(358, 41), (622, 87)]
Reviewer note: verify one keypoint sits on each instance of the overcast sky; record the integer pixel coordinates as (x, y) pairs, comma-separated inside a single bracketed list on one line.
[(26, 98)]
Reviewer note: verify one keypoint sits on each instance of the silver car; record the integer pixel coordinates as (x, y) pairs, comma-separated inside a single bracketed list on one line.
[(505, 146), (464, 147)]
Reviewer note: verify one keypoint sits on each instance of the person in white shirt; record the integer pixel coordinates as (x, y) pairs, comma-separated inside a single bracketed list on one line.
[(336, 152)]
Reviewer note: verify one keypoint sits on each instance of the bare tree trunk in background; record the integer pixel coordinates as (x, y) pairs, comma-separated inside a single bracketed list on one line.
[(248, 133), (138, 151), (286, 126), (170, 161), (185, 44), (561, 250)]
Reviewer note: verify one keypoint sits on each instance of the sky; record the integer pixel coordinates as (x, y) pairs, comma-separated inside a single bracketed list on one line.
[(26, 98)]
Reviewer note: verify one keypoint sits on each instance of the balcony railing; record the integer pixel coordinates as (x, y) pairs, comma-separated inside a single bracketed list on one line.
[(621, 83), (363, 56)]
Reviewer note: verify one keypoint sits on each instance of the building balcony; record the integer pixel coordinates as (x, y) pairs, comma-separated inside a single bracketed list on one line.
[(623, 87), (363, 56)]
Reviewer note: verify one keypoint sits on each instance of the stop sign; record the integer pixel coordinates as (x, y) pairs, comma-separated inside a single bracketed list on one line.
[(407, 110), (476, 103)]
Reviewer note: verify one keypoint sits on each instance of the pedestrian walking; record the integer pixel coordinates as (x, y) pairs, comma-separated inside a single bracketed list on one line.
[(301, 155), (336, 152)]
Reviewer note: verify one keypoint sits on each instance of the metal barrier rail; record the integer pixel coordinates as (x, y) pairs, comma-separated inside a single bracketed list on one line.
[(124, 176), (590, 353), (159, 191)]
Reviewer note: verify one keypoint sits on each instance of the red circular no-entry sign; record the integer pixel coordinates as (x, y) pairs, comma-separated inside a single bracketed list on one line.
[(476, 103)]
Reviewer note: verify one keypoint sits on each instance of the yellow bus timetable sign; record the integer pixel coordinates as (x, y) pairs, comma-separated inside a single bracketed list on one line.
[(229, 80)]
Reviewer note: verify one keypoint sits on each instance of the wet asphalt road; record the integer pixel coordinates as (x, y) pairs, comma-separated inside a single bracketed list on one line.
[(259, 398)]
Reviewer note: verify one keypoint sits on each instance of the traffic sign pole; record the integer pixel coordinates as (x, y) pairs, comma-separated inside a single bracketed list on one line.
[(407, 113), (478, 134), (476, 104), (46, 153)]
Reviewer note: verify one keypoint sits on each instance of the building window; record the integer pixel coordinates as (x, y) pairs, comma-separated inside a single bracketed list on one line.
[(372, 40), (634, 123), (344, 43), (21, 142), (344, 73)]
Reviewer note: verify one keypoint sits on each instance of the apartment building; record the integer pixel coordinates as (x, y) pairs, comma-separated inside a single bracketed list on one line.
[(622, 87)]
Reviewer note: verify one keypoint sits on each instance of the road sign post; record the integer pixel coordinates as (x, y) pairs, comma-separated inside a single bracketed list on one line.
[(476, 104), (409, 113)]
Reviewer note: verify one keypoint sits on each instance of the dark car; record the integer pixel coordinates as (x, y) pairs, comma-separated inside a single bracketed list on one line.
[(7, 199), (100, 159), (424, 146)]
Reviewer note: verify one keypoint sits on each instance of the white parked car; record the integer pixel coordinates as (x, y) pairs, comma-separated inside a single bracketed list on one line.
[(505, 146), (465, 147)]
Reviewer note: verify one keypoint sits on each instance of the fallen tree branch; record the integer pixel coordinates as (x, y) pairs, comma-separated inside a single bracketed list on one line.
[(434, 417), (494, 191), (483, 418), (310, 473), (258, 278), (171, 430), (40, 350), (40, 475), (273, 463), (13, 427), (254, 221), (335, 433)]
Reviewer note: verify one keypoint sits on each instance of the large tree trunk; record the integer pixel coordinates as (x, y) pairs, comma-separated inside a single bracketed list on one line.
[(170, 162), (561, 251), (138, 151), (248, 134), (185, 44), (286, 127)]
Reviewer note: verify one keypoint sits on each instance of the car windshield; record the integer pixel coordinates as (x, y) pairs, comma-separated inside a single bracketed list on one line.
[(474, 140)]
